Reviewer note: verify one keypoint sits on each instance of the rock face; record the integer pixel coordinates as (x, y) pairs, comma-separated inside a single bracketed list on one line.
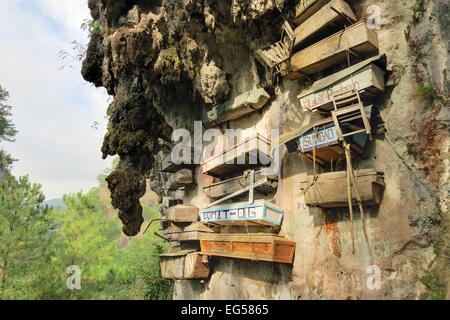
[(168, 62)]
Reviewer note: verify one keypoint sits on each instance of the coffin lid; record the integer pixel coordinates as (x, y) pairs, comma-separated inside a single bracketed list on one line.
[(332, 79)]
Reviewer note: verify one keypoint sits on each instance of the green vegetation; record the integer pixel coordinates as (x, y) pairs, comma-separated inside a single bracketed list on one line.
[(436, 289), (419, 9), (425, 89), (7, 129), (91, 26), (38, 244)]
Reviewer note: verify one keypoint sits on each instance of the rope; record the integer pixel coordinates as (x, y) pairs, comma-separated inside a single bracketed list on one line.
[(316, 176), (349, 196), (350, 173)]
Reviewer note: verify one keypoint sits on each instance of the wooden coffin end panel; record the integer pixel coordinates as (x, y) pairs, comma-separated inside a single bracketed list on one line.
[(182, 213), (284, 251), (184, 267)]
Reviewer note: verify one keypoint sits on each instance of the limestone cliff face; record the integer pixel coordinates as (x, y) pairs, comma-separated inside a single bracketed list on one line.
[(167, 62)]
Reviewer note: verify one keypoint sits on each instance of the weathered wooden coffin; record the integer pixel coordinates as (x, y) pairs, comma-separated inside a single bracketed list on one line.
[(322, 136), (365, 76), (238, 107), (181, 179), (188, 159), (182, 213), (260, 212), (187, 232), (250, 246), (306, 8), (333, 15), (226, 187), (330, 189), (333, 50), (184, 266), (250, 153)]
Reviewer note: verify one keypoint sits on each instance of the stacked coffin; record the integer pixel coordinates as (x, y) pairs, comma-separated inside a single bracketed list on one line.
[(327, 37), (237, 169), (342, 54), (179, 168), (180, 224)]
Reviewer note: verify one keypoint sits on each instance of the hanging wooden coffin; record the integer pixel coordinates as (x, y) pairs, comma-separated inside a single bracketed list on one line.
[(223, 188), (366, 77), (322, 136), (181, 179), (333, 50), (260, 212), (184, 266), (306, 8), (330, 189), (255, 247), (238, 107), (250, 153), (333, 15), (187, 232), (186, 159), (182, 213)]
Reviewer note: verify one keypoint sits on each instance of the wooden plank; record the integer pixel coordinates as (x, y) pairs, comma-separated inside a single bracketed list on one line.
[(256, 247), (333, 13), (306, 8), (368, 80), (184, 267), (332, 51), (187, 232), (261, 212), (182, 213), (330, 189), (238, 107), (252, 152), (223, 188), (243, 237)]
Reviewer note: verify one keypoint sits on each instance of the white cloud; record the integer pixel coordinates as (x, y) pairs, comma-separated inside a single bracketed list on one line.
[(54, 110)]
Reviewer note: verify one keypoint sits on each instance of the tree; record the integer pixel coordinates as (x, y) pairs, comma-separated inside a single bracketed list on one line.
[(24, 234), (7, 130)]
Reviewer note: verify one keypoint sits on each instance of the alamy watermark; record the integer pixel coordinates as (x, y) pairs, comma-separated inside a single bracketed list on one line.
[(238, 148), (73, 281), (374, 17)]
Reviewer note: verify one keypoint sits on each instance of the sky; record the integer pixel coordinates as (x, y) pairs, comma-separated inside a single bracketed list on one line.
[(54, 109)]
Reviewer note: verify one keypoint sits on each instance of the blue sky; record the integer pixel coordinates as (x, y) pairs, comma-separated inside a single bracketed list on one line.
[(54, 110)]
